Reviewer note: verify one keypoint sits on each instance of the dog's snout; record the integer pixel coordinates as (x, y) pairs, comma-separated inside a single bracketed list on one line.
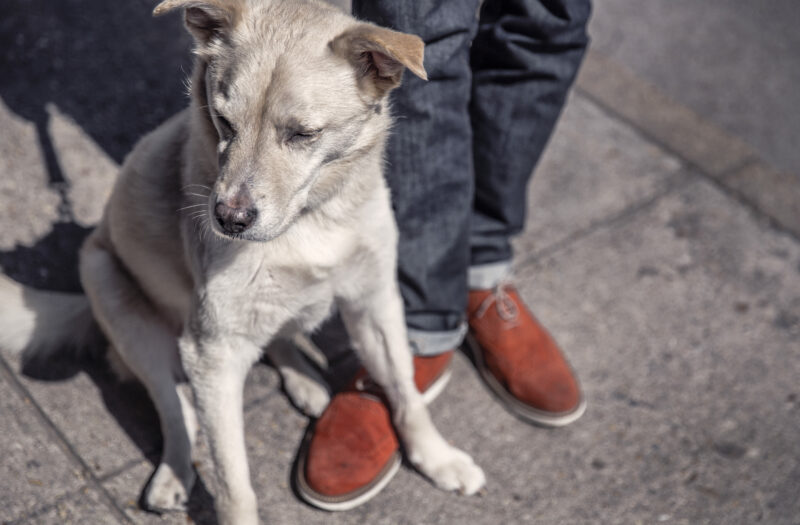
[(234, 220)]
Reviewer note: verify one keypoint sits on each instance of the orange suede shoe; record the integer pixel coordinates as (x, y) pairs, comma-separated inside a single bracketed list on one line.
[(352, 452), (519, 361)]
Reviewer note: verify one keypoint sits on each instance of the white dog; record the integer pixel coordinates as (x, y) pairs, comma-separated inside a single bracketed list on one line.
[(245, 220)]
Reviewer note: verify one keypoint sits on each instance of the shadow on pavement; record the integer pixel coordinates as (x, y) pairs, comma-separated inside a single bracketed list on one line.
[(130, 406), (113, 68), (51, 263), (118, 73)]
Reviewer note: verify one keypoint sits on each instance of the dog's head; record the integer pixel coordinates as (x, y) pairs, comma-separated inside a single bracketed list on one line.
[(291, 93)]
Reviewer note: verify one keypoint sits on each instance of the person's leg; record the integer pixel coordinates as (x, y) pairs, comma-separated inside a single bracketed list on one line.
[(352, 452), (524, 59), (429, 166)]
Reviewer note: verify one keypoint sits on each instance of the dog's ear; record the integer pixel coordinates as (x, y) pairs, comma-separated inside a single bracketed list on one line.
[(205, 19), (380, 55)]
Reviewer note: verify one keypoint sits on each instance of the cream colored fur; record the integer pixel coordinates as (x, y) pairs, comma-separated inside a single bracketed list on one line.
[(289, 108)]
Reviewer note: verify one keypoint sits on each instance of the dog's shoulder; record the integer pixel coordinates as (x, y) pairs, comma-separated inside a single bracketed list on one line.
[(160, 147)]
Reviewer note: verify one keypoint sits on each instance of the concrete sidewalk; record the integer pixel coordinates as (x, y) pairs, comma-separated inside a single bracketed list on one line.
[(662, 253)]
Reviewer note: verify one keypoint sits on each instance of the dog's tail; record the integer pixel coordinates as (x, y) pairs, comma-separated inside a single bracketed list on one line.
[(37, 323)]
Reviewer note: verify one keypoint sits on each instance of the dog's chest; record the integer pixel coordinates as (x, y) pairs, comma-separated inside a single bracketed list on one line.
[(286, 301), (261, 292)]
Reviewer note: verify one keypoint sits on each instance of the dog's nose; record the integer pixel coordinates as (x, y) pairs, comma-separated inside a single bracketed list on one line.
[(234, 220)]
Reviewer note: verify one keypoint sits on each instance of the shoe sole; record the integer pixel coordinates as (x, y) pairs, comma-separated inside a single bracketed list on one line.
[(512, 404), (366, 493), (345, 501)]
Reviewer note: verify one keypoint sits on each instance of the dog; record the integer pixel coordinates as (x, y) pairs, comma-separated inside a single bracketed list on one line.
[(242, 222)]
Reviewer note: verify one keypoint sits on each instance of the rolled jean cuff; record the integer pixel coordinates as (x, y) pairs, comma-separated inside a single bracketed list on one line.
[(428, 343), (486, 276)]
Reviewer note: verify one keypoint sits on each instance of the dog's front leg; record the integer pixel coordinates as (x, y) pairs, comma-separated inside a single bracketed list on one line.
[(377, 330), (217, 367)]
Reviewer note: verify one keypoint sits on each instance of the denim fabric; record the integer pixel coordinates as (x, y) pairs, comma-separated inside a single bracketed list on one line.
[(465, 142), (524, 60)]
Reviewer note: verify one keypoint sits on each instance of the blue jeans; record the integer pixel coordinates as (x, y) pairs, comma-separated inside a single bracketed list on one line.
[(465, 143)]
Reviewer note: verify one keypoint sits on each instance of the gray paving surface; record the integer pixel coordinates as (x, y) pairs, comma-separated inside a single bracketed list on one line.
[(676, 297), (732, 61)]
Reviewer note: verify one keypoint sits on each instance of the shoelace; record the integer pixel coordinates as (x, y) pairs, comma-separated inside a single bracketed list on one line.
[(506, 308)]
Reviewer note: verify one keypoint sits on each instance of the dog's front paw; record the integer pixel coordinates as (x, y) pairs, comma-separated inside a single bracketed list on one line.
[(453, 470), (166, 492), (307, 394)]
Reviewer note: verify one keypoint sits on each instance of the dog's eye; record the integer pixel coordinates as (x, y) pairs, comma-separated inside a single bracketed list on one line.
[(224, 127), (304, 136)]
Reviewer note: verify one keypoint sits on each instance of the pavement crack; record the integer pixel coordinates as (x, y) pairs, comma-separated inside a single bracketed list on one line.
[(681, 179), (718, 180), (61, 440)]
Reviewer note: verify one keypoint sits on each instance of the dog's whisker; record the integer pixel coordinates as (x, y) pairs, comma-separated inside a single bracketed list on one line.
[(202, 226), (197, 194), (197, 185), (191, 206), (197, 225)]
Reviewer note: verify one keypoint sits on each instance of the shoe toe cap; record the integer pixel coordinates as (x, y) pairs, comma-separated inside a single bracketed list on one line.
[(353, 442)]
